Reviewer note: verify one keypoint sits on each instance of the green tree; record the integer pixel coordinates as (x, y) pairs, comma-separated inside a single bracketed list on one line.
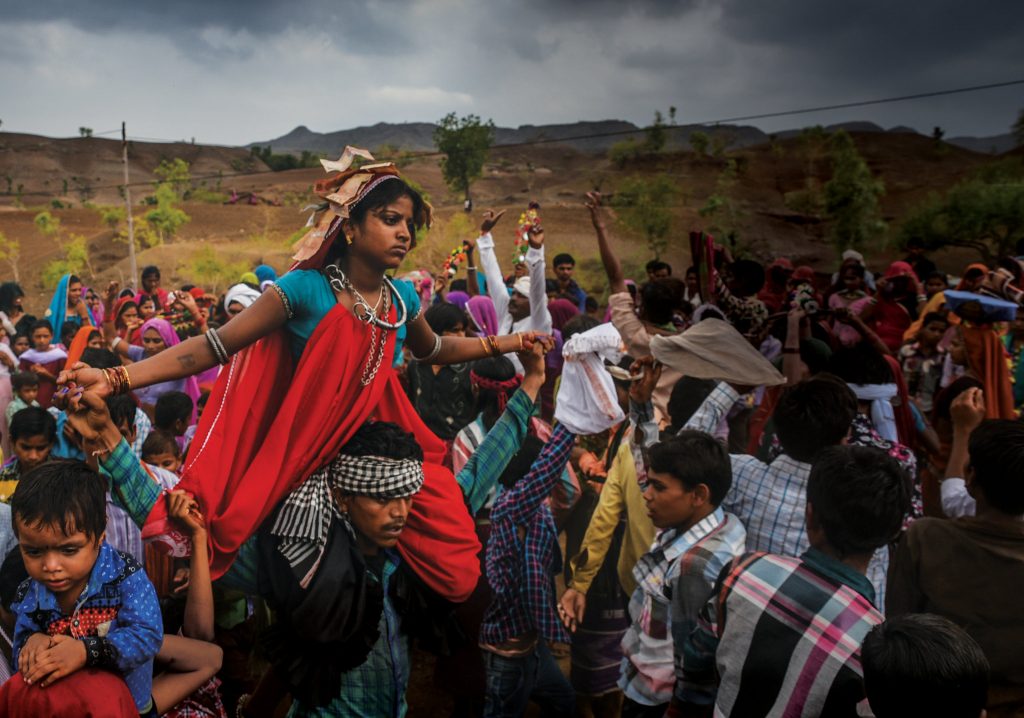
[(85, 132), (851, 196), (111, 215), (699, 142), (166, 219), (987, 217), (10, 252), (210, 270), (176, 174), (656, 134), (47, 224), (622, 152), (644, 206), (75, 261), (465, 144)]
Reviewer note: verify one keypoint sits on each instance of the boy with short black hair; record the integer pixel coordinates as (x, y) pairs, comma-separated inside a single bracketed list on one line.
[(922, 360), (33, 434), (86, 605), (161, 449), (687, 478), (780, 635), (923, 664), (770, 498), (970, 569), (173, 416), (44, 360), (25, 385)]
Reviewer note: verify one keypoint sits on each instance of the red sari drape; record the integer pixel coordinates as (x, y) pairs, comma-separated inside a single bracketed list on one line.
[(266, 429)]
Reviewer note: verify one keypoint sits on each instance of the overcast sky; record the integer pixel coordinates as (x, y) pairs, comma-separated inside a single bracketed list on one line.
[(231, 72)]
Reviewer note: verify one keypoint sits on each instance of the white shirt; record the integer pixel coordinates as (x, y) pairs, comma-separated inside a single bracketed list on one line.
[(956, 502), (539, 319)]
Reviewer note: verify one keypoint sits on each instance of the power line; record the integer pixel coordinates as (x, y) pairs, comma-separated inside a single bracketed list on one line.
[(598, 135)]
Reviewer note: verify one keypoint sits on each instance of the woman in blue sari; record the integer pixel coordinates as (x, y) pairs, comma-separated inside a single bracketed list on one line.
[(67, 305)]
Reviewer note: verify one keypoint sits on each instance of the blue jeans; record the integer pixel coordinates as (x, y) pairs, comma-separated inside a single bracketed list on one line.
[(513, 682)]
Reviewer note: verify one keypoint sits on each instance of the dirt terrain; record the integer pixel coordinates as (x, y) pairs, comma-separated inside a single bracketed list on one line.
[(41, 169)]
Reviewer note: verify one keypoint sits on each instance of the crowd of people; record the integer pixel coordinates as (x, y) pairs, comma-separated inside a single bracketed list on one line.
[(758, 489)]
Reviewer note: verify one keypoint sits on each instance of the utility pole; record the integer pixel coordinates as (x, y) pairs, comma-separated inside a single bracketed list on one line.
[(133, 278)]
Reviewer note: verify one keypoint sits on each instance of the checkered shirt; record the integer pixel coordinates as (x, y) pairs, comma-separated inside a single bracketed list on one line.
[(768, 498), (781, 637), (523, 554), (674, 580)]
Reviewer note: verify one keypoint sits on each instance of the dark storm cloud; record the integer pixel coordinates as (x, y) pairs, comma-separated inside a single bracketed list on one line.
[(333, 64), (365, 26)]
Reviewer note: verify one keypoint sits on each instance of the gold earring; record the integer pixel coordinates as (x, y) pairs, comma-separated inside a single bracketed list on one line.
[(348, 239)]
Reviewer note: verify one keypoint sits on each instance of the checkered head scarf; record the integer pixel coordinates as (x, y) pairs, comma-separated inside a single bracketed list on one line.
[(305, 517)]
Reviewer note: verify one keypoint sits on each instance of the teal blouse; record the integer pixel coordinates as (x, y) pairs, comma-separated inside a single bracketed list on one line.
[(311, 297)]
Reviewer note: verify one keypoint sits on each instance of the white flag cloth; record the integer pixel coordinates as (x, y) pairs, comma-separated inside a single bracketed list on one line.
[(883, 416), (587, 402)]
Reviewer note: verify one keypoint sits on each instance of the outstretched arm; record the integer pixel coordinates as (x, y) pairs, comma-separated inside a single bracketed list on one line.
[(612, 266), (540, 317), (193, 355)]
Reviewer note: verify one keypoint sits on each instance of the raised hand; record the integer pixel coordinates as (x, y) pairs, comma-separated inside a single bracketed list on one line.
[(536, 237), (87, 413), (649, 371), (489, 220), (968, 409), (532, 354), (87, 378)]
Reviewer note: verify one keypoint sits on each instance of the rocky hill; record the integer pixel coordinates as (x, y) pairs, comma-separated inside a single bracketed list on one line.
[(222, 240), (595, 137)]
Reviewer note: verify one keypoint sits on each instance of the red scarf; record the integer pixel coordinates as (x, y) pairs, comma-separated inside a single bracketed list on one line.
[(265, 430)]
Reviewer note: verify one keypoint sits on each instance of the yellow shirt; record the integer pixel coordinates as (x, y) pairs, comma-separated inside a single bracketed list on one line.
[(621, 492)]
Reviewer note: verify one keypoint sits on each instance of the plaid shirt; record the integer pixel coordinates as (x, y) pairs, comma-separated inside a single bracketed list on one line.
[(377, 686), (523, 554), (781, 637), (768, 498), (674, 580), (480, 456)]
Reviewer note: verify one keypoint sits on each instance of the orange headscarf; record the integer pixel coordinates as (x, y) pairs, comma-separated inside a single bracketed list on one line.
[(977, 265), (79, 344), (986, 357)]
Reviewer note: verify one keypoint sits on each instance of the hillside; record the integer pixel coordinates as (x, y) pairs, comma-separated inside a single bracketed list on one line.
[(596, 137), (222, 240)]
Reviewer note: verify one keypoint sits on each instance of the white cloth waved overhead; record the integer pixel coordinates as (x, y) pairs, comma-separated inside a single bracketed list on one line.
[(587, 403)]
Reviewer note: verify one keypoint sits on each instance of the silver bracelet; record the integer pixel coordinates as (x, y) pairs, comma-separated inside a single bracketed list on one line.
[(433, 354), (217, 346)]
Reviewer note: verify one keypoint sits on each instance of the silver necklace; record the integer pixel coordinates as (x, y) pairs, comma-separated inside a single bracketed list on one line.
[(341, 283)]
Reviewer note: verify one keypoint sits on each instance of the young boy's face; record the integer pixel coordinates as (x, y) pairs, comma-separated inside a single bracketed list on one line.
[(934, 285), (20, 345), (31, 451), (166, 460), (60, 562), (669, 502), (41, 339), (931, 333), (29, 393)]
